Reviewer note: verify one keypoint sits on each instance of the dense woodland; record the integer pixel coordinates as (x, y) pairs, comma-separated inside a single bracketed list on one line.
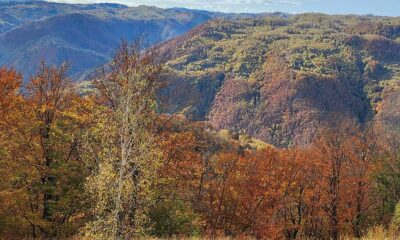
[(108, 164), (278, 78)]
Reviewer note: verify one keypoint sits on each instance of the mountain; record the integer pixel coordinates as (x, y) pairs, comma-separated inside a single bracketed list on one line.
[(85, 35), (276, 77), (17, 13), (279, 79)]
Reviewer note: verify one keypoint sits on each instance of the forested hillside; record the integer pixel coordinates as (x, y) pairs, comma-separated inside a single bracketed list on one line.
[(108, 165), (278, 78), (85, 34), (273, 127)]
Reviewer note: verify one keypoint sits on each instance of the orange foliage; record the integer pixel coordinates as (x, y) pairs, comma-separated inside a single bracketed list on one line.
[(10, 82), (323, 191), (39, 155)]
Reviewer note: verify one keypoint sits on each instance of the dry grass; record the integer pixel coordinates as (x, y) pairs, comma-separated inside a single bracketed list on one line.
[(200, 238), (379, 233)]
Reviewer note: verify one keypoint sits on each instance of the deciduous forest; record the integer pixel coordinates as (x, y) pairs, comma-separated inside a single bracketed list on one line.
[(199, 125), (110, 163)]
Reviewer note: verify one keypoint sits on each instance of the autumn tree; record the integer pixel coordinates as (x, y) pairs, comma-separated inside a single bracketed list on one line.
[(45, 176), (300, 215), (330, 150), (346, 156), (176, 211), (10, 82), (124, 145), (316, 192), (242, 192), (363, 163)]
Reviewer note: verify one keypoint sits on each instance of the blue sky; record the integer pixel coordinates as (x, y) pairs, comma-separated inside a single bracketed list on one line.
[(377, 7)]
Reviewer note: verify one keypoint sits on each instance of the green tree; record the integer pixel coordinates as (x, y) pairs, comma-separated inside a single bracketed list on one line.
[(396, 216), (388, 184), (124, 145)]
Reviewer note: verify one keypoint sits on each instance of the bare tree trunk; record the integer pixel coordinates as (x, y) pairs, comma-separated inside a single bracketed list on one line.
[(125, 139)]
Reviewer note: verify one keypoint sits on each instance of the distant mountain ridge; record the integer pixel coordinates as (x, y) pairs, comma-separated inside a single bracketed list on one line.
[(85, 35), (276, 77), (16, 13)]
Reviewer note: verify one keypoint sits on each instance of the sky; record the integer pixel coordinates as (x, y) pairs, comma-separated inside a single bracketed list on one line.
[(376, 7)]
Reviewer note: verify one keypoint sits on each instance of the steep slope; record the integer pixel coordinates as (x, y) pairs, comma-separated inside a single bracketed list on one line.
[(85, 35), (279, 79)]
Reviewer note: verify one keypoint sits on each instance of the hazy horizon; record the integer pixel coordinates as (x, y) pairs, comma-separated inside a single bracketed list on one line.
[(360, 7)]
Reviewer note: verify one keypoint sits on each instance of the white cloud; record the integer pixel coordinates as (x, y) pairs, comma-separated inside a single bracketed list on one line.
[(213, 5)]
